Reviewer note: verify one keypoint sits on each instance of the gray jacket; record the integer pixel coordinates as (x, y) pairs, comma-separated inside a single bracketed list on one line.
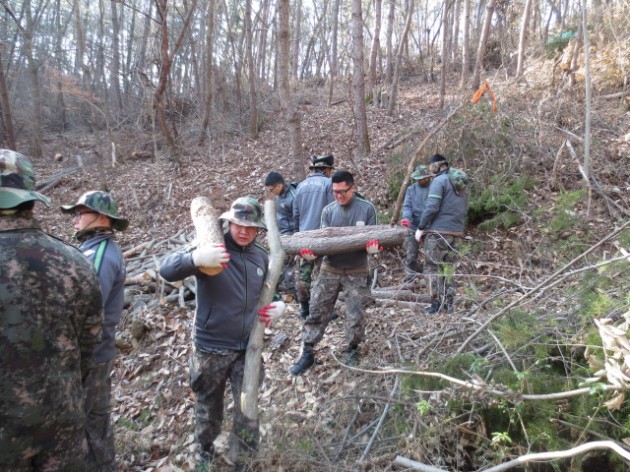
[(445, 210), (415, 199), (312, 195), (284, 209), (111, 276), (226, 303), (358, 212)]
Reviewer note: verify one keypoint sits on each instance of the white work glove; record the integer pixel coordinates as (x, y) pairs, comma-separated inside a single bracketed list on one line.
[(372, 247), (419, 235), (270, 312), (308, 254), (211, 255)]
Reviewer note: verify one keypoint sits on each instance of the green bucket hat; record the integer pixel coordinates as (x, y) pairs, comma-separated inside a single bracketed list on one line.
[(245, 211), (17, 180), (100, 202), (421, 172)]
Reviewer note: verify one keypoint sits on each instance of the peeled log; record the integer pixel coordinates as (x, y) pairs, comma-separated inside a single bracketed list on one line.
[(207, 227), (338, 240)]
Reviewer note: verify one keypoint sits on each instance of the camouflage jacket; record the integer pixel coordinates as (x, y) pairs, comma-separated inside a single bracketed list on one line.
[(50, 321)]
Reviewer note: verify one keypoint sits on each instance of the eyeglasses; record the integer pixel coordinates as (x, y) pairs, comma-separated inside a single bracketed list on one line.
[(341, 193), (79, 214)]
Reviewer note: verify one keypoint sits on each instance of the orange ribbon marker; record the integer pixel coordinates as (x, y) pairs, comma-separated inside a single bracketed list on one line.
[(479, 93)]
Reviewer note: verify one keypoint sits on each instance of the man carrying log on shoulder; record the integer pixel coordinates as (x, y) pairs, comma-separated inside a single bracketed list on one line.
[(225, 313), (347, 271), (313, 194)]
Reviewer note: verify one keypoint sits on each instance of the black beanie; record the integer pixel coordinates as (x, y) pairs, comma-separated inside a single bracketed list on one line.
[(273, 178), (437, 158)]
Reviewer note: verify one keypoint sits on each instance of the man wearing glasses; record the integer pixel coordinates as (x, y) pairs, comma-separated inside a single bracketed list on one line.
[(347, 271), (95, 217)]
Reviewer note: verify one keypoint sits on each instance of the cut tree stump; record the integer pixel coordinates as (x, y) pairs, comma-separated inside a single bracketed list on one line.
[(207, 227), (337, 240)]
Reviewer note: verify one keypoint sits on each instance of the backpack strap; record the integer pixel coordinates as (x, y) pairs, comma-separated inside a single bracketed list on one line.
[(100, 252)]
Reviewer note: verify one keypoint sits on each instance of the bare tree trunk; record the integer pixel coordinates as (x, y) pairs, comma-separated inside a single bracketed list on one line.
[(129, 54), (389, 63), (251, 68), (262, 40), (465, 45), (483, 42), (454, 38), (37, 150), (333, 54), (523, 38), (115, 75), (7, 119), (445, 55), (290, 112), (376, 45), (393, 95), (358, 82), (587, 104), (296, 39), (167, 62), (207, 109)]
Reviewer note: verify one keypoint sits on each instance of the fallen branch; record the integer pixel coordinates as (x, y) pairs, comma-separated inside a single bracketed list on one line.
[(413, 465), (553, 455), (538, 287)]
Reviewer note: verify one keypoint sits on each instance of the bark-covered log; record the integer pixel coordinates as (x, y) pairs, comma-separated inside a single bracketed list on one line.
[(338, 240), (207, 227)]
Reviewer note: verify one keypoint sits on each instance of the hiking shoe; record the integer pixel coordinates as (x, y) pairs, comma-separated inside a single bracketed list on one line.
[(352, 356), (436, 307), (304, 310), (334, 316), (206, 459), (302, 365)]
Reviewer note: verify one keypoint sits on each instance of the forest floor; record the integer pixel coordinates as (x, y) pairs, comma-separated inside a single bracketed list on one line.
[(326, 419)]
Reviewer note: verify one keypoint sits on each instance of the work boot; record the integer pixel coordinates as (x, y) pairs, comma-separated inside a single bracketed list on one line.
[(436, 306), (352, 355), (304, 363), (206, 459), (304, 310)]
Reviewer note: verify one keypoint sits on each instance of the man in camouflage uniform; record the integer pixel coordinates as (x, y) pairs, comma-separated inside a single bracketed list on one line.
[(50, 321), (225, 313), (441, 224), (95, 217), (347, 271), (415, 198), (312, 195)]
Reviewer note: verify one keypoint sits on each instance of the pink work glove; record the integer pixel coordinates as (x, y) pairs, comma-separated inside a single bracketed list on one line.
[(405, 222), (308, 254), (372, 247), (270, 312)]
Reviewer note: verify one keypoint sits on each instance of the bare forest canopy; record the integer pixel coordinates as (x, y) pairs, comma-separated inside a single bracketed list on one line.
[(198, 71)]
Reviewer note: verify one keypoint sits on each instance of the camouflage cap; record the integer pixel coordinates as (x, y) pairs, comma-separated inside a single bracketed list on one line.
[(17, 180), (421, 172), (100, 202), (322, 162), (245, 211)]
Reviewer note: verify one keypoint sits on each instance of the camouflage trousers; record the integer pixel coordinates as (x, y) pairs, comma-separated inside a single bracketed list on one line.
[(412, 248), (286, 283), (209, 374), (325, 293), (305, 273), (439, 265), (98, 429), (44, 445)]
